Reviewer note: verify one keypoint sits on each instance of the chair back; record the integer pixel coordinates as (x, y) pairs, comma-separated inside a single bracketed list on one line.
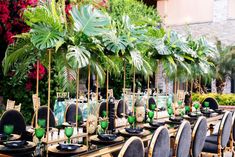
[(15, 118), (225, 129), (183, 140), (133, 147), (160, 143), (42, 114), (18, 107), (10, 104), (213, 104), (198, 136), (233, 126), (120, 108), (111, 112), (70, 113), (151, 101)]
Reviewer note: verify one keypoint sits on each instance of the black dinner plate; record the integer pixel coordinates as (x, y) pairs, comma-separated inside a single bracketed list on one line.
[(156, 123), (176, 119), (134, 130), (107, 137), (219, 111), (68, 147), (15, 144)]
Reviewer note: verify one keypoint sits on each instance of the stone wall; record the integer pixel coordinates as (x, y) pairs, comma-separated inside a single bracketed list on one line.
[(220, 10)]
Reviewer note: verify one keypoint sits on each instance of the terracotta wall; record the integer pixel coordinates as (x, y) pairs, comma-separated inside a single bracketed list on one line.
[(231, 9), (179, 12)]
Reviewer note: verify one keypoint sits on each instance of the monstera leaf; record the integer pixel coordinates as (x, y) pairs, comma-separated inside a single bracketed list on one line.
[(115, 43), (90, 20), (137, 59), (78, 57), (45, 36)]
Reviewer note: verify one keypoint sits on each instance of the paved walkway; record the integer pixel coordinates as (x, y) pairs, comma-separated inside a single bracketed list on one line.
[(224, 31)]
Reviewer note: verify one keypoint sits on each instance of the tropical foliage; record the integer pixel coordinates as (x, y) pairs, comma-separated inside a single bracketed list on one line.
[(105, 38)]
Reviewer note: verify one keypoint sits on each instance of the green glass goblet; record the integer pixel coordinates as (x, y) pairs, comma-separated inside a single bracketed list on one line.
[(187, 109), (206, 104), (104, 125), (39, 132), (69, 132), (42, 123), (196, 106), (180, 103), (8, 130), (170, 112), (131, 120), (151, 115), (104, 114), (152, 107)]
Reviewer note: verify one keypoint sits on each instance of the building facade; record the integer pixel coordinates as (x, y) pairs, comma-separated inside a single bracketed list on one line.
[(214, 19)]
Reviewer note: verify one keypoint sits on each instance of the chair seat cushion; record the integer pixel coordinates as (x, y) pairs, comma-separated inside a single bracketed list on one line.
[(212, 139), (210, 147)]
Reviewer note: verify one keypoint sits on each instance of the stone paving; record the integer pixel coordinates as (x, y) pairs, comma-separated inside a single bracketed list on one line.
[(223, 31)]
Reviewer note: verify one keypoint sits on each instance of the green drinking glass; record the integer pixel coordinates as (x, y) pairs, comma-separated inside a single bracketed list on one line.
[(131, 120), (104, 113), (8, 130), (180, 103), (187, 109), (69, 132), (206, 104), (79, 119), (196, 106), (152, 107), (42, 123), (170, 112), (39, 132), (104, 125), (151, 115)]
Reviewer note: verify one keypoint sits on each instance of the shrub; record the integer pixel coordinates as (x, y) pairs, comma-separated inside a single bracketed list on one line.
[(223, 99)]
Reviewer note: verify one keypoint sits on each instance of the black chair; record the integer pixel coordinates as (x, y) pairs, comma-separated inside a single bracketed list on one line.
[(133, 147), (111, 112), (182, 141), (198, 137), (159, 145), (42, 114), (215, 144), (15, 118), (120, 109), (70, 114), (213, 104), (151, 101)]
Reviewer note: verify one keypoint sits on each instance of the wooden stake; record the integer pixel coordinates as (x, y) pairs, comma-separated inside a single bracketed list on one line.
[(187, 86), (49, 94), (147, 102), (124, 89), (97, 89), (89, 84), (107, 94), (37, 95), (133, 99), (77, 97), (191, 86), (199, 82)]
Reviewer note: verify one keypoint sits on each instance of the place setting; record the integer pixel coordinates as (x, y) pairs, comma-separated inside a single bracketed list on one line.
[(104, 136), (67, 148)]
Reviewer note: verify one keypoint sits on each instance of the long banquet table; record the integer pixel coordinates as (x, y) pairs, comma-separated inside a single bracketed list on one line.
[(116, 147)]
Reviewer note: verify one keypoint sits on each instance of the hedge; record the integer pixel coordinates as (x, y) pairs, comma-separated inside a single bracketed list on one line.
[(223, 99)]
